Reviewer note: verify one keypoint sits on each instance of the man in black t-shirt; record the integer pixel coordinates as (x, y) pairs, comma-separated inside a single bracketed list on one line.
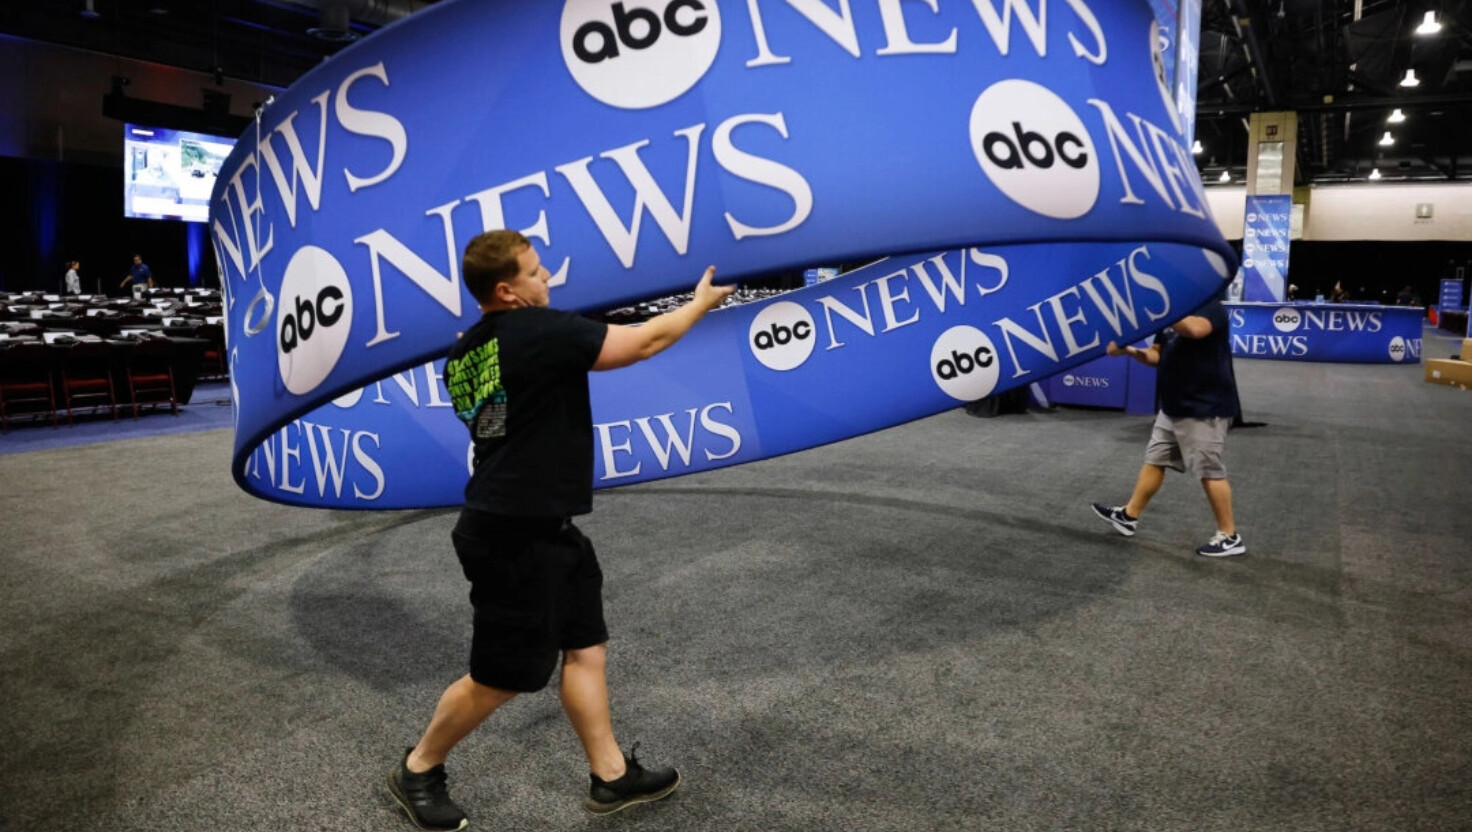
[(519, 381), (1198, 399)]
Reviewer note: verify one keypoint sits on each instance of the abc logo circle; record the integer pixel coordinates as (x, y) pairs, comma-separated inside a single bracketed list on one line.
[(1069, 380), (637, 54), (964, 363), (1397, 349), (1035, 149), (313, 315), (1287, 320), (782, 335)]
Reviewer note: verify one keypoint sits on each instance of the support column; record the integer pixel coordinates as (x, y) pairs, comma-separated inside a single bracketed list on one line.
[(1271, 156)]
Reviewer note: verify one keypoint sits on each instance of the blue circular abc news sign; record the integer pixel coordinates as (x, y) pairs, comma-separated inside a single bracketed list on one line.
[(1021, 166)]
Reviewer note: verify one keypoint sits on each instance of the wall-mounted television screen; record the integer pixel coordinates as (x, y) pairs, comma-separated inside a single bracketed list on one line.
[(169, 174)]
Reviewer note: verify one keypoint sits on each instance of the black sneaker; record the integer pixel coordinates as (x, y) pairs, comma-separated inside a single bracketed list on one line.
[(638, 785), (1223, 545), (1122, 523), (425, 797)]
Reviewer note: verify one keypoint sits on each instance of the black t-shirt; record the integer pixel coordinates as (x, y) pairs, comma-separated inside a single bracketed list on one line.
[(519, 381), (1195, 374)]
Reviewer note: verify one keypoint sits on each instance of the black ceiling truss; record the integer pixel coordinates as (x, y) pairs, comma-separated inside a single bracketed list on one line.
[(1339, 65)]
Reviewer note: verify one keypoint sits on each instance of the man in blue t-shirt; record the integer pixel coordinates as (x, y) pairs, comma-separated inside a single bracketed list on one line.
[(518, 379), (140, 274), (1198, 400)]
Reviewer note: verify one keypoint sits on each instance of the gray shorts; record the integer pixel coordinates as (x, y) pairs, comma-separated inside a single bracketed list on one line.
[(1193, 445)]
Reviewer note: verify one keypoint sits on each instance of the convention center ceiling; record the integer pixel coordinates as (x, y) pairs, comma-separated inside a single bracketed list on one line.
[(1341, 64)]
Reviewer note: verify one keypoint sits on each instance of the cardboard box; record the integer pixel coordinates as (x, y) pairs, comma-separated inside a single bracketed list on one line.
[(1447, 371)]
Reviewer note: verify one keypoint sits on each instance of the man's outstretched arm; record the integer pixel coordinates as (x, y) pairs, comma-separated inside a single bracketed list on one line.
[(625, 345)]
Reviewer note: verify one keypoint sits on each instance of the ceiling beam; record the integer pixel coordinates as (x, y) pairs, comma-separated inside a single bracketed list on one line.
[(1342, 105), (1242, 18)]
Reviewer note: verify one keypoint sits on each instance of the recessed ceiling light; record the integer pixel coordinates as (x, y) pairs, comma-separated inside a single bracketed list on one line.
[(1387, 140), (1197, 149), (1410, 80), (1225, 177), (1396, 116), (1375, 174), (1428, 26)]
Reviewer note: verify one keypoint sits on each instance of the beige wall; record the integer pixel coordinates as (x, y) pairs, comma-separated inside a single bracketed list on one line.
[(1228, 206), (1369, 211), (1383, 211)]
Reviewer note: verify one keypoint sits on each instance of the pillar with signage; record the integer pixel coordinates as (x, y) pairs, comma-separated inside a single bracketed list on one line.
[(1273, 138), (1451, 295)]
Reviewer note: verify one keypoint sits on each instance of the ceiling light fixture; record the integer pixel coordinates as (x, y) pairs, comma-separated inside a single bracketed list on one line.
[(1225, 177), (1396, 116), (1429, 25), (1197, 149), (1374, 174), (335, 25), (1387, 140), (1410, 80)]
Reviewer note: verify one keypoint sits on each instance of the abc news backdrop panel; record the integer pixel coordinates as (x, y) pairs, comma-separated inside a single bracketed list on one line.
[(1026, 173), (1339, 333)]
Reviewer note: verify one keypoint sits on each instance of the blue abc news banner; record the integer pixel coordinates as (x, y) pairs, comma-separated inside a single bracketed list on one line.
[(1103, 382), (1265, 247), (1188, 63), (1341, 333), (1451, 295), (637, 142)]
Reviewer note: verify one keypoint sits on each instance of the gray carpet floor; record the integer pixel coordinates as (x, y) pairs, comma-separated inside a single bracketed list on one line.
[(922, 629)]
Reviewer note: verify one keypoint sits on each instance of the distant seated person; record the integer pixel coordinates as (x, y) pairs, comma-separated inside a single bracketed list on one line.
[(1339, 295), (140, 275), (1406, 297)]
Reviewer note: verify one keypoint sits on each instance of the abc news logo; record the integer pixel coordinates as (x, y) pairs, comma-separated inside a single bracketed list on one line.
[(1402, 348), (623, 30), (1071, 380), (637, 54), (1287, 320), (1033, 148), (298, 325), (964, 363), (313, 315), (782, 336), (1045, 163)]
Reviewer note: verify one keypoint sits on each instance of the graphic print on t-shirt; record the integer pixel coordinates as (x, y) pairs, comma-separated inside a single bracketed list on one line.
[(474, 382)]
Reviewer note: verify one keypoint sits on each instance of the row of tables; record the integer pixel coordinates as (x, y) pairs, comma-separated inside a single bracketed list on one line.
[(44, 336)]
